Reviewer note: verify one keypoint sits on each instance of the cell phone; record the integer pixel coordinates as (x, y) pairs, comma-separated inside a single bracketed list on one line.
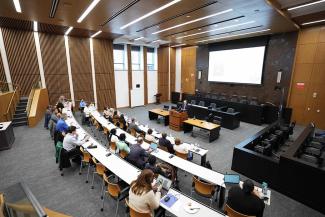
[(171, 156), (108, 154)]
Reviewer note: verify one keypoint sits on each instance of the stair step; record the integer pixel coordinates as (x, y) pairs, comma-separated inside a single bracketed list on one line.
[(24, 98), (20, 111), (21, 123), (18, 119), (19, 115), (22, 103), (20, 107)]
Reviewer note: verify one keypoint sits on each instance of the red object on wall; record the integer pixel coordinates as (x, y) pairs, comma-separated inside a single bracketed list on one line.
[(300, 85)]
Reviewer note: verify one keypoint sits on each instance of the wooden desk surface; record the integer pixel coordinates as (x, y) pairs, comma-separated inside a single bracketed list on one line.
[(160, 112), (201, 123)]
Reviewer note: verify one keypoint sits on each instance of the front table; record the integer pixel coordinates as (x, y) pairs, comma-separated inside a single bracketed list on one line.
[(155, 113), (7, 136), (213, 129)]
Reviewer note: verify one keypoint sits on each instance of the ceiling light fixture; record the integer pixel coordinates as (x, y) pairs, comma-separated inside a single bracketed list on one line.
[(230, 36), (136, 39), (193, 21), (155, 41), (179, 45), (87, 11), (305, 5), (17, 6), (68, 31), (35, 26), (97, 33), (213, 30), (150, 13), (312, 22)]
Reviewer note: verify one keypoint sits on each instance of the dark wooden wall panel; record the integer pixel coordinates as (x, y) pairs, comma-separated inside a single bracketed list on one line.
[(81, 69), (172, 68), (55, 66), (2, 71), (163, 63), (104, 68), (22, 58), (279, 55)]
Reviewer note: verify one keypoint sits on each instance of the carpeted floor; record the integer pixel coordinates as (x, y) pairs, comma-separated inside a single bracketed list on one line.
[(31, 159)]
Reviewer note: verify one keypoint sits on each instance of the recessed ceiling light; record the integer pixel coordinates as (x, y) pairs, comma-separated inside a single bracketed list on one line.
[(193, 21), (87, 11), (188, 16), (230, 36), (305, 5), (236, 20), (155, 41), (213, 30), (35, 26), (157, 27), (17, 6), (138, 38), (68, 31), (97, 33), (178, 45), (312, 22), (150, 13), (199, 29)]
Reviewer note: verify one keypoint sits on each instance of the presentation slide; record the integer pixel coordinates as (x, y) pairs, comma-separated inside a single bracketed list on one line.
[(243, 65)]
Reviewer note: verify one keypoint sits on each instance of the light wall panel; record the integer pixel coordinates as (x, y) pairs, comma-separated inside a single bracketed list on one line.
[(22, 58), (55, 66), (81, 69), (163, 72), (104, 73)]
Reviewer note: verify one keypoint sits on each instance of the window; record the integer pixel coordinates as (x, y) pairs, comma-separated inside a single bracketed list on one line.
[(150, 58), (118, 54), (135, 57)]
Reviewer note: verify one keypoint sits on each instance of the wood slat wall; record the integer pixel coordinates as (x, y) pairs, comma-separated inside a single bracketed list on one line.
[(163, 68), (172, 68), (2, 72), (81, 69), (188, 70), (55, 66), (104, 68), (22, 58)]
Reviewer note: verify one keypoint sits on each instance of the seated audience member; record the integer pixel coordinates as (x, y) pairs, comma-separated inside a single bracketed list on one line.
[(134, 126), (121, 144), (116, 116), (142, 196), (82, 105), (181, 148), (106, 113), (137, 154), (47, 118), (60, 104), (112, 136), (122, 122), (164, 142), (149, 137), (155, 168), (71, 143), (53, 120), (246, 200), (61, 125), (210, 118)]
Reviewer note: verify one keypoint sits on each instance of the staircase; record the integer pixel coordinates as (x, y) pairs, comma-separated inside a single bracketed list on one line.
[(20, 116)]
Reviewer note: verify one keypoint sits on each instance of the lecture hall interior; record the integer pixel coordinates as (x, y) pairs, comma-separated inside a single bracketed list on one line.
[(143, 108)]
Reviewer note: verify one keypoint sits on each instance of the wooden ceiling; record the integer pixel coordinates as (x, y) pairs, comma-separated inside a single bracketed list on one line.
[(110, 15), (305, 14)]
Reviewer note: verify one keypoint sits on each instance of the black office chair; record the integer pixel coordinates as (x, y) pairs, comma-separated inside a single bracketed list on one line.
[(202, 103), (253, 101), (215, 96), (166, 107), (193, 102), (230, 110), (243, 99), (174, 107), (264, 148), (234, 98), (213, 106), (223, 96), (217, 120)]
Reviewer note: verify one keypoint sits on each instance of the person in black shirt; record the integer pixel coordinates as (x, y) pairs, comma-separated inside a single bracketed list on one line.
[(246, 200), (164, 142), (151, 165), (137, 154)]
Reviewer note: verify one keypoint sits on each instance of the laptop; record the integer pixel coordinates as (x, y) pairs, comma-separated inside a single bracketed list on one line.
[(166, 184), (153, 146), (231, 179)]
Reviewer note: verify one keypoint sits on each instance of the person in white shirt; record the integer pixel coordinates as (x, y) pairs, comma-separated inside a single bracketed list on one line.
[(112, 136), (181, 148), (149, 137), (71, 143)]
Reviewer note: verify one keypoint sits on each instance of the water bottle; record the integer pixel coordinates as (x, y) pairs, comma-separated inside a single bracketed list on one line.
[(264, 188)]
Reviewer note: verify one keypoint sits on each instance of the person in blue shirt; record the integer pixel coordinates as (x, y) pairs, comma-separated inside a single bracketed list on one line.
[(61, 125), (82, 105)]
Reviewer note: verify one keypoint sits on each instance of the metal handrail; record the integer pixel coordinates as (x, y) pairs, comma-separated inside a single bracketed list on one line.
[(12, 103)]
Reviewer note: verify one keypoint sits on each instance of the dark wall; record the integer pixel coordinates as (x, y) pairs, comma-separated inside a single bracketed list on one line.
[(280, 54)]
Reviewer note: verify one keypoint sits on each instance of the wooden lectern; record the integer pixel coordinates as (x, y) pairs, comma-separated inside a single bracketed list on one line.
[(176, 119)]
